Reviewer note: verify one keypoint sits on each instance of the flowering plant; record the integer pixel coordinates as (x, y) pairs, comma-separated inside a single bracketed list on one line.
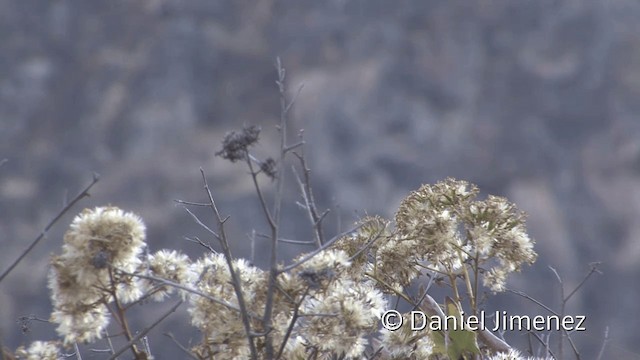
[(326, 304)]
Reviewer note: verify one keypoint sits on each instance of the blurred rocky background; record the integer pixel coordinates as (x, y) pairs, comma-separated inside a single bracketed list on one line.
[(534, 100)]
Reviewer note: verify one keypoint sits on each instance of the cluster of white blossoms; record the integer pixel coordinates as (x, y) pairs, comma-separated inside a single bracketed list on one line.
[(82, 280), (220, 323), (340, 310), (445, 229), (317, 308), (328, 305), (40, 350), (407, 344), (168, 265), (515, 355), (443, 225)]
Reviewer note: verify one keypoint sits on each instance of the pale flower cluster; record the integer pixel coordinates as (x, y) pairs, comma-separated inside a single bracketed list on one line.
[(406, 344), (224, 336), (40, 350), (328, 305), (168, 265), (339, 311), (443, 225), (334, 312), (82, 280), (514, 355)]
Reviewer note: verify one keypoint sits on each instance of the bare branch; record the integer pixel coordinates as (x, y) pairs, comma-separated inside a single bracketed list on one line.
[(145, 331), (289, 241), (294, 146), (292, 323), (187, 289), (604, 344), (235, 278), (293, 100), (196, 240), (309, 200), (203, 225), (43, 234), (318, 250), (184, 349), (191, 203), (594, 269), (537, 302), (277, 207)]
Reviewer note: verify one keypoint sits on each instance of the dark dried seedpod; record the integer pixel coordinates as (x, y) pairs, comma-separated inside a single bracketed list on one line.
[(269, 168), (100, 260), (235, 146), (316, 279)]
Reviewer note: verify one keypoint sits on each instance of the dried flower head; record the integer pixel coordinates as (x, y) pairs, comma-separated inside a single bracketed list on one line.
[(235, 146), (40, 350), (170, 265), (83, 278), (444, 225), (221, 326), (407, 344), (512, 355), (268, 167)]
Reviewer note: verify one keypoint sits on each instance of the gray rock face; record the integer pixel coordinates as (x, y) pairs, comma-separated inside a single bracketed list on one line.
[(536, 101)]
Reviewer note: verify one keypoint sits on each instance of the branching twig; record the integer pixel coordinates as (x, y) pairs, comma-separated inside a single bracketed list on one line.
[(145, 331), (274, 222), (604, 343), (196, 240), (43, 234), (184, 349), (537, 302), (307, 195), (292, 323), (235, 278), (189, 290), (594, 269), (324, 246)]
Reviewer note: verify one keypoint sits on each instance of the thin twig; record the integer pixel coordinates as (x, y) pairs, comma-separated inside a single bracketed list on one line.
[(274, 222), (367, 245), (564, 300), (197, 240), (594, 269), (294, 146), (292, 323), (289, 241), (307, 195), (604, 343), (199, 222), (120, 315), (75, 346), (318, 250), (293, 100), (189, 290), (544, 343), (184, 349), (113, 350), (145, 331), (191, 203), (537, 302), (235, 278), (43, 234)]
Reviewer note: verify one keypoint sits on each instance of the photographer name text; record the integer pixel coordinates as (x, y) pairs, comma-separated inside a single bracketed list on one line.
[(392, 320)]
